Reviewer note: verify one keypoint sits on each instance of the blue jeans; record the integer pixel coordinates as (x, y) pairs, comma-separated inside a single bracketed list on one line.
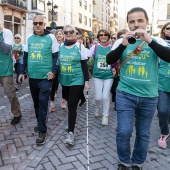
[(40, 91), (164, 111), (129, 106)]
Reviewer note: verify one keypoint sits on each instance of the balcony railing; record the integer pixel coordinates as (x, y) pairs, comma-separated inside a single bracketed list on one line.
[(17, 3)]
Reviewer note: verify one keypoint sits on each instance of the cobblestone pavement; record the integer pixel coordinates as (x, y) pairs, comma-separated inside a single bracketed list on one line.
[(19, 151)]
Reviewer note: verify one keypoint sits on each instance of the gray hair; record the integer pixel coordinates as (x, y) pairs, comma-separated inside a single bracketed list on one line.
[(37, 16), (69, 26)]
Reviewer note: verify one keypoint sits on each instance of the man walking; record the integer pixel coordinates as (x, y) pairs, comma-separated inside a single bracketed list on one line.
[(40, 56), (6, 72), (137, 93)]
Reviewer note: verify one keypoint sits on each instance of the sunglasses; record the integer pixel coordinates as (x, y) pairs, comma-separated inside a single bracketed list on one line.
[(167, 28), (70, 32), (101, 35), (38, 23), (113, 38), (16, 38)]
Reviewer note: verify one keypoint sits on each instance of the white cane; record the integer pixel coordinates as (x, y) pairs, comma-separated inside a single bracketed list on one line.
[(87, 112)]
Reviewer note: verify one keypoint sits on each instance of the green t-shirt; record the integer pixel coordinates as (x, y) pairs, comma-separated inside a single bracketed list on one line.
[(101, 69), (6, 62), (39, 56), (70, 69), (139, 75), (164, 75)]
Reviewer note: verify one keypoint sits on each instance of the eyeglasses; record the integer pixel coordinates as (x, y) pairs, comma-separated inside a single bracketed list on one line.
[(101, 35), (113, 38), (38, 23), (70, 32), (167, 28), (16, 38)]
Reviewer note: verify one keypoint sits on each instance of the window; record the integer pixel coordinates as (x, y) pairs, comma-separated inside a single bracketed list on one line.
[(90, 8), (85, 20), (85, 4), (80, 18), (89, 22), (34, 4), (8, 17), (17, 20), (38, 4), (80, 2), (168, 11)]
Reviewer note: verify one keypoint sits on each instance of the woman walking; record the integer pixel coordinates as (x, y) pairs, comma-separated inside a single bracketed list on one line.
[(164, 92), (73, 72), (17, 54), (102, 73)]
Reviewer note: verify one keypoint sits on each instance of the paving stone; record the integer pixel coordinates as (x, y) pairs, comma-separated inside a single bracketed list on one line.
[(48, 166), (7, 167), (19, 151), (65, 167)]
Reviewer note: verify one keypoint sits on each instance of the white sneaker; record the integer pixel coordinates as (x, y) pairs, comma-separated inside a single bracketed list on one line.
[(63, 104), (105, 120), (70, 139)]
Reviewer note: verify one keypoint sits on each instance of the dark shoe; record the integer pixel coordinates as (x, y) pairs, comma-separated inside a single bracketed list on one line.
[(41, 139), (36, 128), (136, 168), (82, 103), (123, 167), (15, 120)]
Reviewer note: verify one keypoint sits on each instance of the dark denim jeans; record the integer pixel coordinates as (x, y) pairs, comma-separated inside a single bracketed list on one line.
[(40, 91), (129, 106), (164, 111)]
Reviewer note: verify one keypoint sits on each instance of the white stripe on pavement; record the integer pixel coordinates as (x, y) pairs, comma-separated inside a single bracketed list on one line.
[(2, 107), (22, 97)]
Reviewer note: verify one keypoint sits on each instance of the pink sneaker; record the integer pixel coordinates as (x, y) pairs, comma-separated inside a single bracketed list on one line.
[(52, 108), (162, 142), (63, 104)]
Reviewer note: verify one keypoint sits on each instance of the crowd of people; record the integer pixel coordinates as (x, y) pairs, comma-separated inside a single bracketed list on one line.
[(132, 65)]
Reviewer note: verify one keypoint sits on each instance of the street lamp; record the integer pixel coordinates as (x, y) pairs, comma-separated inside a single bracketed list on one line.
[(53, 10)]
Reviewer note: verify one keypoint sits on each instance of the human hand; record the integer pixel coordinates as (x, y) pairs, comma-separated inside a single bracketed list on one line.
[(87, 85), (126, 37), (16, 49), (141, 33), (114, 72), (21, 78), (50, 75)]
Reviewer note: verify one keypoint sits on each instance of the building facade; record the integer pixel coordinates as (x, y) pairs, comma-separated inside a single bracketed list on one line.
[(13, 16), (102, 12), (161, 15), (75, 12)]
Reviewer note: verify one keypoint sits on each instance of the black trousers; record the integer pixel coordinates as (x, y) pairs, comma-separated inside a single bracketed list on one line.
[(114, 87), (72, 95), (54, 87), (17, 68)]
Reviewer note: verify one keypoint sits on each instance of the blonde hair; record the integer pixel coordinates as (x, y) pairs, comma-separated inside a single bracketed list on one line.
[(18, 35), (82, 37)]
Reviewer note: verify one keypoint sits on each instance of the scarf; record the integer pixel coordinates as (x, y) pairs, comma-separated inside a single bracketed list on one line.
[(70, 42), (167, 38), (168, 41)]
